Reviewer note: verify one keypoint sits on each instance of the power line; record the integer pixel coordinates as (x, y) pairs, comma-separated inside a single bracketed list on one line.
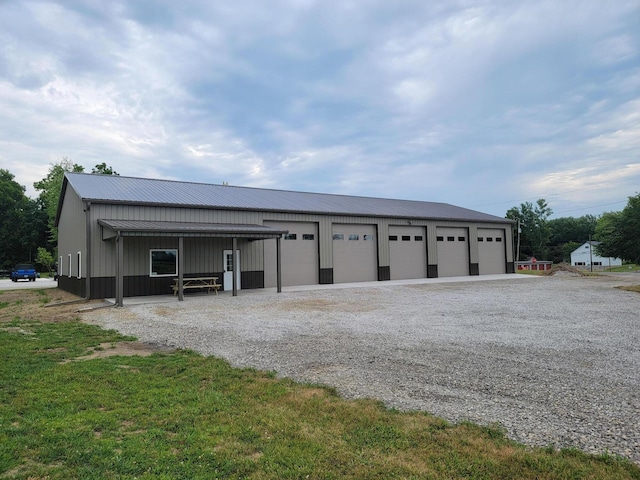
[(550, 196), (590, 206)]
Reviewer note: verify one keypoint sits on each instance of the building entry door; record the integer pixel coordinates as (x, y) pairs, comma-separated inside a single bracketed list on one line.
[(227, 261)]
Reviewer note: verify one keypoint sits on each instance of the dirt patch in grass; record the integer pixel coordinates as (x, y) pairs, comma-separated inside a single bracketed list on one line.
[(55, 306), (631, 288), (127, 349), (46, 305)]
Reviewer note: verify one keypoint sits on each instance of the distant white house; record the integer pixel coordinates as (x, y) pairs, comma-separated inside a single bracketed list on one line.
[(585, 256)]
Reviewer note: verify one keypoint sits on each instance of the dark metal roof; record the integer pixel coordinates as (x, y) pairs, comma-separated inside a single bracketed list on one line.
[(133, 227), (143, 191)]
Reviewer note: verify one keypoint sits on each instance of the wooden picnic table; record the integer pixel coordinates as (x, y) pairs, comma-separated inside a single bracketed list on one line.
[(205, 283)]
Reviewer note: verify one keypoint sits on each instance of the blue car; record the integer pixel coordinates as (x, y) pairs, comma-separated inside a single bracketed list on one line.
[(24, 271)]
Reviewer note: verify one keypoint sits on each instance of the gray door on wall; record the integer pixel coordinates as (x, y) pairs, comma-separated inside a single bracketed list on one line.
[(299, 255), (491, 251), (407, 252), (453, 251), (355, 253)]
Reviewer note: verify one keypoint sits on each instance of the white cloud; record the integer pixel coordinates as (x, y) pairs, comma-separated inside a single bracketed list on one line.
[(615, 50), (455, 101)]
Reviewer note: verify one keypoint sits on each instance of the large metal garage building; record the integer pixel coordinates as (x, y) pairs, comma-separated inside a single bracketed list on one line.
[(123, 236)]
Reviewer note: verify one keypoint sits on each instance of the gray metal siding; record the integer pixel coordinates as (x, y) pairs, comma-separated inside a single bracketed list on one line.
[(104, 251), (72, 234), (72, 237)]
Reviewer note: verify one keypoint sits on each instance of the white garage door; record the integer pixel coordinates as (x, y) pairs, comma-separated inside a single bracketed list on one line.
[(299, 255), (407, 252), (355, 253), (453, 251), (491, 251)]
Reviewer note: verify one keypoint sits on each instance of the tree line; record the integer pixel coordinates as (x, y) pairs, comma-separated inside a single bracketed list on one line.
[(28, 232), (618, 233), (27, 226)]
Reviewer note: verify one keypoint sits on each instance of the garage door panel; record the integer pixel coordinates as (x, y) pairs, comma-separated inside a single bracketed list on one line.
[(491, 251), (453, 251), (355, 253), (407, 252), (299, 255)]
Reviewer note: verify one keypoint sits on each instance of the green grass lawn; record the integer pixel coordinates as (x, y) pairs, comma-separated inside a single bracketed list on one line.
[(181, 415), (626, 268)]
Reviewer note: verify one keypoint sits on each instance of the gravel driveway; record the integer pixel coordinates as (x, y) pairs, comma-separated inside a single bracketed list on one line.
[(554, 360)]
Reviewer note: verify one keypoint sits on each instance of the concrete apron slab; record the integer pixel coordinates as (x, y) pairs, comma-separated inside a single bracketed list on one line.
[(153, 299)]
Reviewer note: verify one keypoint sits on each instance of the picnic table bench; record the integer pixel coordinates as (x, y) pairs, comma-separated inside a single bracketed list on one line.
[(205, 283)]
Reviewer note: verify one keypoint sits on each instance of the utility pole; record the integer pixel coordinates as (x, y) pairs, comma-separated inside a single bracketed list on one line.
[(590, 255), (518, 247)]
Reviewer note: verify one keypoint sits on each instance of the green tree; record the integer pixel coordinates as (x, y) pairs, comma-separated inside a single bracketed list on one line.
[(103, 169), (568, 231), (12, 201), (534, 225), (50, 187), (619, 232), (22, 223), (46, 259)]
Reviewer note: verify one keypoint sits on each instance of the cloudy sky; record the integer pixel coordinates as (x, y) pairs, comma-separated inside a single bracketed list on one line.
[(478, 103)]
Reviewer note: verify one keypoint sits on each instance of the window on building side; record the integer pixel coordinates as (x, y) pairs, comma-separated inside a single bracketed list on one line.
[(338, 236), (368, 237), (489, 239), (164, 262), (308, 236), (406, 238), (451, 239), (498, 239), (461, 239), (440, 239), (79, 255), (393, 238), (480, 239), (354, 236), (290, 236), (69, 261), (418, 238)]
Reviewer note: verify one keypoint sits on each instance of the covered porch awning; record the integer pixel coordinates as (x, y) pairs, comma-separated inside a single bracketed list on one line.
[(116, 229), (151, 228)]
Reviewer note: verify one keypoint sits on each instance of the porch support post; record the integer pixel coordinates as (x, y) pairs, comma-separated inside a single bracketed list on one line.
[(234, 246), (119, 271), (180, 269), (279, 263)]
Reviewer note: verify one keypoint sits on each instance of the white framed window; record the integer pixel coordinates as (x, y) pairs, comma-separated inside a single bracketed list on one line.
[(79, 255), (60, 266), (163, 262), (69, 261)]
